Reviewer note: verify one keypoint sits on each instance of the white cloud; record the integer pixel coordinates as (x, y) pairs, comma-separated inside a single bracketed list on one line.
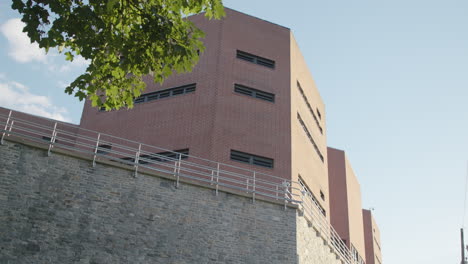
[(21, 49), (78, 63), (62, 84), (17, 96)]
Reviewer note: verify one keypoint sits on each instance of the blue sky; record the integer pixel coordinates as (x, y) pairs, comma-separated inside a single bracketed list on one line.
[(394, 78)]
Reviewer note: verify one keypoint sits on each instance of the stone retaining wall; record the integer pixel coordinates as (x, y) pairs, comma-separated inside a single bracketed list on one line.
[(59, 209)]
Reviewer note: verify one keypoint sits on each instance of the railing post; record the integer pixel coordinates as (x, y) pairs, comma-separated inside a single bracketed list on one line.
[(247, 185), (137, 160), (52, 139), (253, 188), (285, 184), (303, 202), (217, 179), (96, 149), (175, 168), (277, 190), (178, 170), (6, 126), (11, 126)]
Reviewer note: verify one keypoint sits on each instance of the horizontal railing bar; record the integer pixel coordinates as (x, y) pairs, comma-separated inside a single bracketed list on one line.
[(31, 124), (134, 149), (29, 131)]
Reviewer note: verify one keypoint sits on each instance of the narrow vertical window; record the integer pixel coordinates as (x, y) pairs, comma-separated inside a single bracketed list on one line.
[(306, 130), (310, 107)]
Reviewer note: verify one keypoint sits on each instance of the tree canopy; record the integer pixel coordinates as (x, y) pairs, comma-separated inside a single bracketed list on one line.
[(124, 40)]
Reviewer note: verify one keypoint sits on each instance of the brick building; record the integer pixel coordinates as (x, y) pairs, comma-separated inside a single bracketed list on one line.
[(372, 238), (250, 102), (345, 203)]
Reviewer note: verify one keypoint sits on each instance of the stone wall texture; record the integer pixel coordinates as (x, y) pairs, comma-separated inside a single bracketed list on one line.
[(311, 247), (59, 209)]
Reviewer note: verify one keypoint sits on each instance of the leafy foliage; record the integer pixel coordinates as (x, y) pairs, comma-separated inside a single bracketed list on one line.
[(123, 39)]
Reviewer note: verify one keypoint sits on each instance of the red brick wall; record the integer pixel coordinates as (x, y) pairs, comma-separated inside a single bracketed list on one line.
[(214, 119), (339, 215)]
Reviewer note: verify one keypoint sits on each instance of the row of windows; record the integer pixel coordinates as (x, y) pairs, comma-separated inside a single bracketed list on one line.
[(160, 156), (309, 136), (255, 59), (191, 87), (251, 159), (163, 94), (238, 88), (310, 107), (309, 194), (184, 153), (166, 93)]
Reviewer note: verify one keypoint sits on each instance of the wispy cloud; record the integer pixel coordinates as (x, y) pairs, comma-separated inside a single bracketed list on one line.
[(62, 84), (78, 63), (22, 50), (18, 97), (20, 47)]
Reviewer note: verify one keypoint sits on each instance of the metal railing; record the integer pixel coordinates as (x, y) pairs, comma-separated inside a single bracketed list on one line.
[(172, 164), (315, 216)]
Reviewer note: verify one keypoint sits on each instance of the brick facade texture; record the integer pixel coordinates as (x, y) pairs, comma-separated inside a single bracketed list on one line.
[(214, 119)]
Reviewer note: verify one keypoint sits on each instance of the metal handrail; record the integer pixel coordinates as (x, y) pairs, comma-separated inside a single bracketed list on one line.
[(195, 168), (312, 211)]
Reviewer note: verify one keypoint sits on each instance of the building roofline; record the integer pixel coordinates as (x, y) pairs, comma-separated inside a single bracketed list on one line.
[(336, 149), (263, 20)]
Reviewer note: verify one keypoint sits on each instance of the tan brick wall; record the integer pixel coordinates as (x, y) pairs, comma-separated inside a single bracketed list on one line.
[(305, 160), (356, 226)]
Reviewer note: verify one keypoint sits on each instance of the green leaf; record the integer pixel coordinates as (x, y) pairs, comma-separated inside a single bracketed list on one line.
[(68, 56), (17, 5), (111, 4), (124, 40)]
